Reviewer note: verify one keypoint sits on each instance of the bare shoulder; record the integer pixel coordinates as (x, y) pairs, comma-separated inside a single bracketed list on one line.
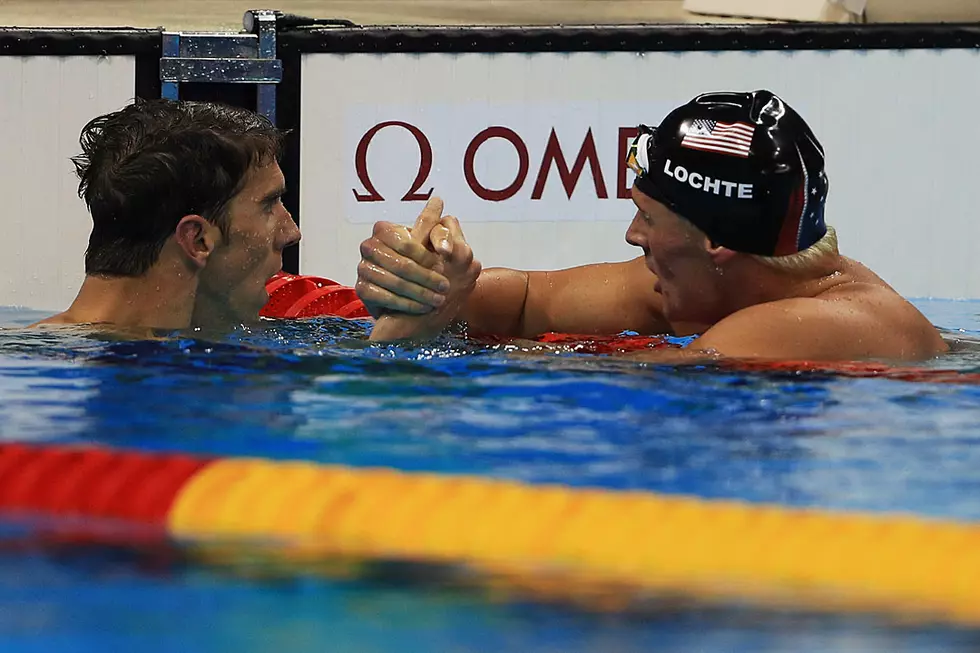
[(861, 319)]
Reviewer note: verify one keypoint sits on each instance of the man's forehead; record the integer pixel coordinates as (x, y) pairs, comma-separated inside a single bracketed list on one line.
[(265, 178), (647, 203)]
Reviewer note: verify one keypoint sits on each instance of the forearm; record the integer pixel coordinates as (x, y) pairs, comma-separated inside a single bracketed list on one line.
[(496, 305), (598, 299)]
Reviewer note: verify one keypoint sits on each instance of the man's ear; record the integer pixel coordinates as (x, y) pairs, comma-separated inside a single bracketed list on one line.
[(719, 254), (197, 238)]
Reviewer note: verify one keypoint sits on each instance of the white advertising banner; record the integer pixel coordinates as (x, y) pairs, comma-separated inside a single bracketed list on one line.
[(527, 150), (44, 103)]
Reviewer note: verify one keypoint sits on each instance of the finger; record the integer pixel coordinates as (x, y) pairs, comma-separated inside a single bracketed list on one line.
[(404, 267), (428, 218), (399, 239), (441, 240), (461, 249), (379, 301), (371, 274), (396, 230)]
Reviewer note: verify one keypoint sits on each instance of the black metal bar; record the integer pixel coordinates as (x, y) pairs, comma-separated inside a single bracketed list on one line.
[(632, 38), (148, 84), (288, 98), (23, 42)]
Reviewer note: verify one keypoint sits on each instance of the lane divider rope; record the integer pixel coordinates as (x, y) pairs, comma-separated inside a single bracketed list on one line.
[(602, 549)]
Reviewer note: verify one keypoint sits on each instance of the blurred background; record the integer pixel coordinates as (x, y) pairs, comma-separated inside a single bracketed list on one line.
[(226, 14)]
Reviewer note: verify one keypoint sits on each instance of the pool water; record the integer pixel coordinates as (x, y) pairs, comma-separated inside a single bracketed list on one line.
[(315, 390)]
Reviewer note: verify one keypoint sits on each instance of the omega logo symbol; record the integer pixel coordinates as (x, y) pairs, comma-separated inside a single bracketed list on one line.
[(553, 158)]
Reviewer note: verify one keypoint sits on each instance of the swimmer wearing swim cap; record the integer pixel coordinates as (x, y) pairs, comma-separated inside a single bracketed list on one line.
[(743, 168), (730, 195)]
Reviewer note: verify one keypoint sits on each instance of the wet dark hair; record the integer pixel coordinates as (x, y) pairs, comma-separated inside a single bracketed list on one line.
[(146, 166)]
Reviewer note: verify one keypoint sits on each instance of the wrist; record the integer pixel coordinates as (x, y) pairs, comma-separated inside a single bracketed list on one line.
[(390, 327), (404, 327)]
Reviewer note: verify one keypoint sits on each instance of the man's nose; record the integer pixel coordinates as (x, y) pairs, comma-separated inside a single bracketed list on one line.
[(634, 235), (290, 233)]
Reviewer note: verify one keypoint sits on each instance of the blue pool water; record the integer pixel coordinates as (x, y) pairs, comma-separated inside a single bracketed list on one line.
[(316, 391)]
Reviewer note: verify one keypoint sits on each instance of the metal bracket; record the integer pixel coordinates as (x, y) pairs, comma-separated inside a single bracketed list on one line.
[(225, 58), (224, 70)]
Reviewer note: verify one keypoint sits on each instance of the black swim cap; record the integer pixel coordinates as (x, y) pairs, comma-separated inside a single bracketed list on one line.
[(742, 167)]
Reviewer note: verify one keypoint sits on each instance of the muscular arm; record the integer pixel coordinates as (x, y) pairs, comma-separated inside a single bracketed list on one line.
[(605, 298), (399, 274)]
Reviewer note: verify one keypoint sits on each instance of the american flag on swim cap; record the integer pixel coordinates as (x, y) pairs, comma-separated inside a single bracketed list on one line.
[(733, 138)]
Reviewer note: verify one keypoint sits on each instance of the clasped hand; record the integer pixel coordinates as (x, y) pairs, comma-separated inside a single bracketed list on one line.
[(416, 281)]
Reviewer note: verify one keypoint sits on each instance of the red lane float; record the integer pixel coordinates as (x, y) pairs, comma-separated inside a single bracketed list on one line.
[(591, 344), (95, 482)]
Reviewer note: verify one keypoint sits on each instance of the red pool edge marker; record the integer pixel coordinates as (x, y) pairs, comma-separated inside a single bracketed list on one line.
[(322, 301), (305, 296)]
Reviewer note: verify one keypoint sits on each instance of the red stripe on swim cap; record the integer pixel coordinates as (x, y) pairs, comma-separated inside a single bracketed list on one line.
[(787, 242)]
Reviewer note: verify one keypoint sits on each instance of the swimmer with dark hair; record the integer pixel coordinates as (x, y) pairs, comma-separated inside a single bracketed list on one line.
[(730, 193), (188, 223)]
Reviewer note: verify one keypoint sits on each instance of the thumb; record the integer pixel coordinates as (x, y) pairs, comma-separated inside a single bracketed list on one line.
[(441, 240), (428, 218)]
